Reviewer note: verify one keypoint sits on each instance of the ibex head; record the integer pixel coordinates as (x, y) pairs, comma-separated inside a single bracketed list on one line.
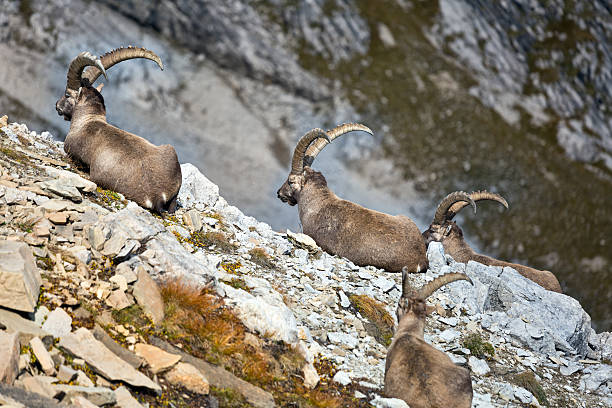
[(442, 227), (308, 147), (77, 77)]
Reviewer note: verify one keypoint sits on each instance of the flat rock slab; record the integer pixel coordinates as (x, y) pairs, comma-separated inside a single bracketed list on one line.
[(42, 355), (189, 377), (147, 294), (58, 323), (19, 277), (126, 355), (9, 363), (157, 359), (26, 329), (221, 378), (96, 395), (72, 179), (83, 344)]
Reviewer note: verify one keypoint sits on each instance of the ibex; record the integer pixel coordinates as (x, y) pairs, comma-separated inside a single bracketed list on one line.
[(118, 160), (343, 228), (446, 231), (415, 371)]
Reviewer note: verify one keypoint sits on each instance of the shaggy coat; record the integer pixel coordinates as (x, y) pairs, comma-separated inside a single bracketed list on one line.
[(364, 236), (417, 372)]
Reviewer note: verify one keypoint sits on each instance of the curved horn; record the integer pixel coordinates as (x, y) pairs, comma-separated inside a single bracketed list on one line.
[(78, 64), (476, 196), (121, 54), (297, 162), (440, 281), (442, 210), (315, 148)]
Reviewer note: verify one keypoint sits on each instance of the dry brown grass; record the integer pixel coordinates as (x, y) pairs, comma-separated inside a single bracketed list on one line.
[(380, 321), (261, 258), (207, 328), (200, 318)]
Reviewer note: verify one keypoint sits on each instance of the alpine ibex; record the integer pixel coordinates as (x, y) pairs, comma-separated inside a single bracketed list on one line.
[(446, 231), (415, 371), (343, 228), (118, 160)]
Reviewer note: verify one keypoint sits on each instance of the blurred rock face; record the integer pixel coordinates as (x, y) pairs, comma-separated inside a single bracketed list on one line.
[(512, 97)]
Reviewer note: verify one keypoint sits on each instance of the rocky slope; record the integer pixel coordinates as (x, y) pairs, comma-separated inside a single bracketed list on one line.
[(82, 342), (511, 96)]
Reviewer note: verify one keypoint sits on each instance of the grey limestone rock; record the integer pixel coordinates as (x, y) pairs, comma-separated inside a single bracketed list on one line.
[(542, 320), (197, 191)]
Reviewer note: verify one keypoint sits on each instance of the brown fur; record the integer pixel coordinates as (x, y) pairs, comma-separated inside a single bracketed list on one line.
[(343, 228), (451, 237), (417, 372), (121, 161)]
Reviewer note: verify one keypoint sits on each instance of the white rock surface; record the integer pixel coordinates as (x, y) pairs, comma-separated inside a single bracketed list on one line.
[(58, 323)]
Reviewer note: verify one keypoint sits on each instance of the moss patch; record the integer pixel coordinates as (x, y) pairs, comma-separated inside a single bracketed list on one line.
[(231, 267), (238, 283), (14, 155), (528, 381), (207, 239), (380, 321), (134, 316), (108, 199), (478, 347)]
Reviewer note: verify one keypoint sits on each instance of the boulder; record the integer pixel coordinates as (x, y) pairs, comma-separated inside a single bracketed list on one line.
[(196, 190), (125, 399), (19, 277), (542, 320), (96, 395)]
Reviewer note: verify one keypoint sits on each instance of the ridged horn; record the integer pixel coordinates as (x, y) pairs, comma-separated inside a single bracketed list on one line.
[(297, 162), (440, 281), (476, 196), (78, 64), (315, 148), (442, 210), (122, 54)]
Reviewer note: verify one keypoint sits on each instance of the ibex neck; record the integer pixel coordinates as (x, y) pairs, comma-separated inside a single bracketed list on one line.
[(411, 325), (313, 197)]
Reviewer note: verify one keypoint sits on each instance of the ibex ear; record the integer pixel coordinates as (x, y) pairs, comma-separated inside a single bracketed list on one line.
[(99, 87)]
